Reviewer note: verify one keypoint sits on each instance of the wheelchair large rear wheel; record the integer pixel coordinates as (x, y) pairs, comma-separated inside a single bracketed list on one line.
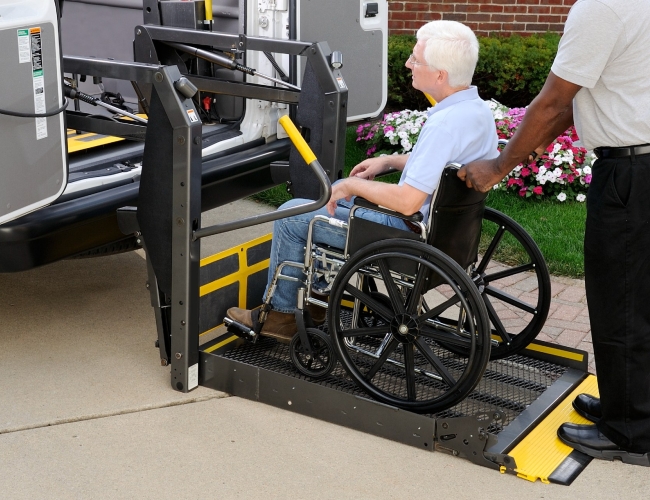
[(389, 345), (517, 295)]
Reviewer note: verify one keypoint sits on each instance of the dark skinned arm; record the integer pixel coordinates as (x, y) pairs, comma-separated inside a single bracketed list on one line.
[(550, 114)]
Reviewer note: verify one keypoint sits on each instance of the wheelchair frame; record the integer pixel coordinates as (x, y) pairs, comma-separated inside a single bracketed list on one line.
[(468, 336)]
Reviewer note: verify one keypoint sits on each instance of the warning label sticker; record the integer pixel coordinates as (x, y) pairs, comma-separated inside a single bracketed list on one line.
[(38, 78), (192, 114), (341, 83), (24, 53)]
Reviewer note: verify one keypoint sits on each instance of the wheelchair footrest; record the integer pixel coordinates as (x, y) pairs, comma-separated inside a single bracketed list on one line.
[(240, 330)]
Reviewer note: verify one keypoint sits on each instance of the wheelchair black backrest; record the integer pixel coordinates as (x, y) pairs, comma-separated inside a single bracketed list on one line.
[(455, 219), (454, 224)]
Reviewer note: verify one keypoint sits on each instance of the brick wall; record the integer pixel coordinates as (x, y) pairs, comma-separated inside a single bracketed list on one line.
[(483, 16)]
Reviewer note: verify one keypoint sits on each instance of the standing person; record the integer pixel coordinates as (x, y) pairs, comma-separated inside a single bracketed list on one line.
[(600, 80), (460, 128)]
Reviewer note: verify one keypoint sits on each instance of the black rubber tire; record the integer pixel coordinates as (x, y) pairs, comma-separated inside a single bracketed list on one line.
[(490, 289), (429, 379), (323, 361)]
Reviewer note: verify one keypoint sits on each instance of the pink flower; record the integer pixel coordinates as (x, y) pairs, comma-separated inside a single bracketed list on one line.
[(588, 179), (535, 169), (522, 191), (525, 172), (537, 190)]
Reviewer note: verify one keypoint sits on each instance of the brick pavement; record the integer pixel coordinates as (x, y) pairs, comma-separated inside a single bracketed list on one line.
[(568, 321)]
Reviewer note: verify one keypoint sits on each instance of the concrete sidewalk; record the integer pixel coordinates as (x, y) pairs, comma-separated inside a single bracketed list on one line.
[(87, 412)]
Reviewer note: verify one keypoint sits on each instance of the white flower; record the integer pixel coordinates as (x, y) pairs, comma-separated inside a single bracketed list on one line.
[(556, 147), (557, 172), (581, 197), (414, 130), (586, 170), (406, 144), (561, 196)]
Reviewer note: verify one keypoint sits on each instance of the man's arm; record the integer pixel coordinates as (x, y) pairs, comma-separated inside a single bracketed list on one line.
[(404, 199), (372, 167), (550, 114)]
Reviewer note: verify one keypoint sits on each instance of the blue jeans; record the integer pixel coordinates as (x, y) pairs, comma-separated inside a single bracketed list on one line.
[(290, 239)]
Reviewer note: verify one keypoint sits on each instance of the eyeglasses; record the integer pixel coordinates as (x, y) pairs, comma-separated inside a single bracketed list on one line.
[(412, 60)]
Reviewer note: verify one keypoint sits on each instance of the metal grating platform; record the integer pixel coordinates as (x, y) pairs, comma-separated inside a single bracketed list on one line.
[(509, 385)]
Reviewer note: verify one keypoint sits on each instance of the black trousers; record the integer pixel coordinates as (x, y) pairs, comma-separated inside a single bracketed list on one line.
[(617, 278)]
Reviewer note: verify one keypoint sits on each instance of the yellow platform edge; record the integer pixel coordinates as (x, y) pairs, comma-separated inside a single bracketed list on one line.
[(540, 453)]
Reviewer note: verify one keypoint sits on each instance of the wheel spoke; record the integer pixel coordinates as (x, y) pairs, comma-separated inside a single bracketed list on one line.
[(435, 362), (382, 359), (444, 337), (508, 272), (409, 366), (396, 298), (438, 310), (496, 321), (373, 331), (372, 304), (509, 299), (487, 256), (414, 297)]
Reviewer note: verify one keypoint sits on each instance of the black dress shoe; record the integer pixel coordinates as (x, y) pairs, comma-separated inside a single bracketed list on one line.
[(588, 407), (588, 440)]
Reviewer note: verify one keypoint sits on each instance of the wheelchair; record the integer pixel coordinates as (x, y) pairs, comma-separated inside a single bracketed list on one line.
[(414, 316)]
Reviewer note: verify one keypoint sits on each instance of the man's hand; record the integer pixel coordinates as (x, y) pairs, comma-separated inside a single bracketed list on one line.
[(370, 168), (339, 190), (481, 175)]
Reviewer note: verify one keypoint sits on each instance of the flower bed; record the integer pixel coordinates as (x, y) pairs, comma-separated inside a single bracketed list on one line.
[(562, 172)]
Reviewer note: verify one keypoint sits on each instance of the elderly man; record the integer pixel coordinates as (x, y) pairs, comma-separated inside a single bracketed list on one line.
[(460, 128), (599, 79)]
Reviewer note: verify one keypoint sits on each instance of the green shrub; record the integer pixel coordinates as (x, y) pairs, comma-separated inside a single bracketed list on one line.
[(513, 69), (510, 69), (401, 94)]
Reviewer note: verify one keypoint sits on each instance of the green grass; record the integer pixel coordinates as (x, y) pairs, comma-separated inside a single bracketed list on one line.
[(557, 228)]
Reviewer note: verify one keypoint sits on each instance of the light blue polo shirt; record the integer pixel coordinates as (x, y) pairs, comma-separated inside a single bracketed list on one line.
[(458, 129)]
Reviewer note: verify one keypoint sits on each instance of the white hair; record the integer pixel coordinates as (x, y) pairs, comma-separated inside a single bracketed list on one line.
[(452, 47)]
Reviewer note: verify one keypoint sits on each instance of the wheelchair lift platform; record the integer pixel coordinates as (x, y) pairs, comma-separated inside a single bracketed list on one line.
[(508, 423)]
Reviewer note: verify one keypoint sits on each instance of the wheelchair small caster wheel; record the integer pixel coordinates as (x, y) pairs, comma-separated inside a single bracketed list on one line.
[(316, 362)]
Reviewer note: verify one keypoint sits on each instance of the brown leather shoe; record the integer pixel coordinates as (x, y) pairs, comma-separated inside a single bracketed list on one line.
[(280, 326), (242, 316), (318, 314)]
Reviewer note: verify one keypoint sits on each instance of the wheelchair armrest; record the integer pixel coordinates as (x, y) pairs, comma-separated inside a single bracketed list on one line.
[(363, 203)]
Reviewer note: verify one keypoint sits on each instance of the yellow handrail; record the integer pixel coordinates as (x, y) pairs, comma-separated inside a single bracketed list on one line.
[(297, 139)]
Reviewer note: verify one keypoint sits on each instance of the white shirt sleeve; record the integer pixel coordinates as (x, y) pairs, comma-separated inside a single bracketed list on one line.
[(591, 32)]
